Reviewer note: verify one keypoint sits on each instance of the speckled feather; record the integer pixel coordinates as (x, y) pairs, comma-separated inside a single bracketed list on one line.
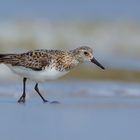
[(40, 59)]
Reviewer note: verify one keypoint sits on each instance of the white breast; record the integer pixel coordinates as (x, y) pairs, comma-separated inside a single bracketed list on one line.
[(37, 76)]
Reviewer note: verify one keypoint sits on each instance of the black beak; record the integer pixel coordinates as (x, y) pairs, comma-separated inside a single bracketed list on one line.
[(93, 60)]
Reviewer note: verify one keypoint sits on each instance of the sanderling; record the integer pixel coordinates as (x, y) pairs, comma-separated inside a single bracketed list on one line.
[(44, 65)]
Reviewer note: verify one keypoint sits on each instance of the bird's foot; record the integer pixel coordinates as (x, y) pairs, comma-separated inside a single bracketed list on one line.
[(45, 101), (21, 99)]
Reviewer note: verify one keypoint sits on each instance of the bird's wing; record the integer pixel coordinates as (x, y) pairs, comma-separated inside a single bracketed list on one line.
[(33, 60)]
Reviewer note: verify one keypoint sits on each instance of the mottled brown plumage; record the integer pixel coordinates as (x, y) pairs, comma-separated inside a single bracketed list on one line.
[(39, 59)]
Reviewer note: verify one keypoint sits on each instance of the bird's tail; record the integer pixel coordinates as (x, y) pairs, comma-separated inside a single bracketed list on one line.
[(5, 57)]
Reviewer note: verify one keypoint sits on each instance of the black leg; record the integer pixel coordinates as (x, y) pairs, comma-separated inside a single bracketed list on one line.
[(37, 90), (22, 98)]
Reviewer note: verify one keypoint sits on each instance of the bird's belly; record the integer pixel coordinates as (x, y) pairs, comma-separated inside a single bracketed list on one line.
[(38, 76)]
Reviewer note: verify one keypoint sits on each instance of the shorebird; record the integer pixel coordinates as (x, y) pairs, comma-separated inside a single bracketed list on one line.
[(44, 65)]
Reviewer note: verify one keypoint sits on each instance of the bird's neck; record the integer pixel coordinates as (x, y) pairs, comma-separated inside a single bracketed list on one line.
[(67, 62)]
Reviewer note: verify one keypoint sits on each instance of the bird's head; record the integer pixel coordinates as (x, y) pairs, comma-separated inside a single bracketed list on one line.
[(85, 54)]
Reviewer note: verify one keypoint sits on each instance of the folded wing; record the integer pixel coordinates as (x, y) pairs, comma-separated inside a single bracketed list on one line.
[(32, 60)]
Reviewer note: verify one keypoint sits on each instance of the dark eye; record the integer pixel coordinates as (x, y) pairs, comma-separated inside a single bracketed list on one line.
[(86, 53)]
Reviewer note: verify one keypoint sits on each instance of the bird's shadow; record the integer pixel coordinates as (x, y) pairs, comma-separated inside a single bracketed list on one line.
[(53, 102), (9, 101)]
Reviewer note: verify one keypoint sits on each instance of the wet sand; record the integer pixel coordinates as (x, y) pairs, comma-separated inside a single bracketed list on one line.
[(78, 116)]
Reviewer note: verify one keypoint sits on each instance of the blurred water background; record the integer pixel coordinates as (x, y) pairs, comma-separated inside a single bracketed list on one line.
[(110, 27), (95, 104)]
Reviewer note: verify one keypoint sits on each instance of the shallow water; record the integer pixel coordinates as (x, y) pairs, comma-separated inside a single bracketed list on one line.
[(87, 110)]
